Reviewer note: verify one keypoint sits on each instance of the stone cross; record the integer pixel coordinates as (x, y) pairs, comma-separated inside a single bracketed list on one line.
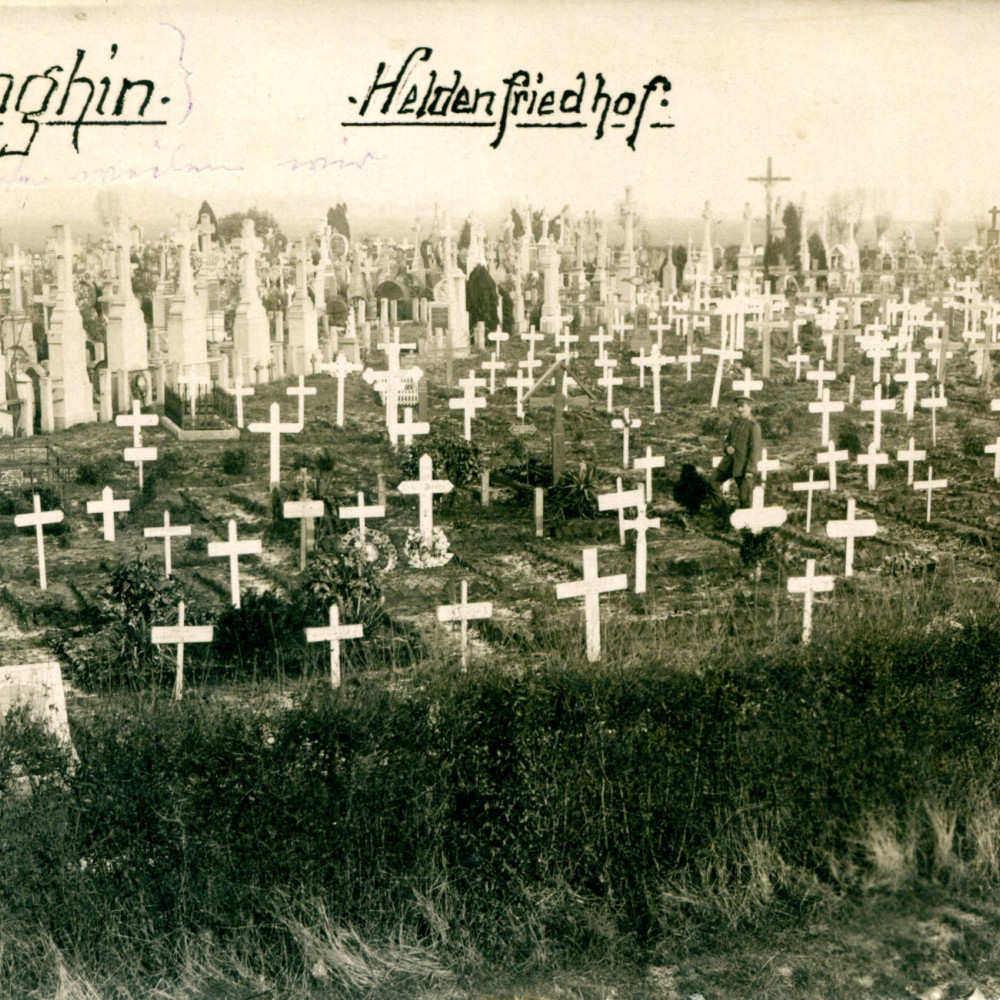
[(930, 484), (825, 408), (340, 369), (361, 513), (108, 506), (808, 585), (36, 519), (426, 487), (618, 501), (590, 588), (469, 402), (275, 428), (234, 549), (333, 633), (166, 533), (301, 390), (809, 487), (625, 423), (757, 517), (872, 459), (180, 634), (647, 465), (640, 524), (850, 529), (877, 406), (933, 403), (463, 613)]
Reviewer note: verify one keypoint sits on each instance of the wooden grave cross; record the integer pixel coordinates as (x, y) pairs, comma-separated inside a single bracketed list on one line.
[(463, 613), (166, 533), (688, 359), (306, 510), (426, 487), (557, 374), (618, 501), (108, 506), (877, 406), (656, 362), (872, 458), (910, 377), (409, 428), (625, 423), (469, 402), (849, 529), (930, 484), (333, 634), (234, 549), (601, 338), (180, 634), (933, 403), (910, 455), (647, 465), (809, 487), (798, 358), (275, 428), (361, 513), (825, 408), (766, 465), (497, 338), (519, 382), (493, 366), (994, 449), (819, 375), (240, 391), (608, 379), (747, 384), (640, 525), (339, 370), (757, 517), (807, 586), (137, 454), (724, 354), (301, 391), (641, 362), (590, 588), (831, 457), (36, 519)]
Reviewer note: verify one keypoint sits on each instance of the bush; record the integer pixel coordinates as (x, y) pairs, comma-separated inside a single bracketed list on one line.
[(690, 490), (96, 473), (237, 460), (576, 493), (973, 443), (849, 438), (265, 635), (454, 458)]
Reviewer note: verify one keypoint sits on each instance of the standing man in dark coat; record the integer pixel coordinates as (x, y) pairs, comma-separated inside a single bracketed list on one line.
[(742, 453)]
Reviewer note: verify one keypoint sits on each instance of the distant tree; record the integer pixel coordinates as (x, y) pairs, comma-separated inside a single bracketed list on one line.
[(109, 208), (680, 259), (817, 252), (481, 298), (230, 227), (518, 223), (536, 226), (336, 219), (206, 209), (773, 252), (465, 236), (793, 236), (731, 258)]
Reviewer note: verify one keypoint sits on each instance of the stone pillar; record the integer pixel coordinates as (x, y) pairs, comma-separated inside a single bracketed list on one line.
[(106, 408), (46, 402)]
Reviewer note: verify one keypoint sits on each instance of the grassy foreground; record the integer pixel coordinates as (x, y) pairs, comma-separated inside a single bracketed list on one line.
[(712, 809)]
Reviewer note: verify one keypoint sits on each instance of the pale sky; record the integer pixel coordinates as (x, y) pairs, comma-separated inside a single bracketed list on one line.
[(895, 98)]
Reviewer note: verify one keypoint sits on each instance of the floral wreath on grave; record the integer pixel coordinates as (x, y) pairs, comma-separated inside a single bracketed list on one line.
[(423, 554), (375, 551)]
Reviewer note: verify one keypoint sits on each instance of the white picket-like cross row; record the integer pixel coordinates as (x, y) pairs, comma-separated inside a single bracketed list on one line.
[(180, 634), (234, 549), (590, 588), (464, 612), (108, 506), (333, 633)]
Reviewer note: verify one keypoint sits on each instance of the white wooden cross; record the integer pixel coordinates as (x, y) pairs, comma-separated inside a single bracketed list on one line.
[(910, 377), (640, 524), (911, 455), (819, 375), (180, 634), (608, 379), (872, 458), (463, 612), (275, 428), (808, 585), (361, 513), (625, 423), (600, 338), (930, 484), (798, 358), (410, 428), (332, 634), (647, 465), (825, 408), (240, 391), (640, 361), (849, 529), (234, 549), (766, 465), (877, 350), (519, 382), (757, 517), (618, 501), (469, 402), (493, 366), (108, 506), (590, 588), (340, 369), (425, 487), (301, 390), (809, 487), (166, 533), (36, 519), (877, 406), (656, 363), (620, 327), (497, 337), (688, 359), (659, 328), (994, 449), (304, 510), (831, 456), (724, 354), (137, 454), (747, 384), (933, 403)]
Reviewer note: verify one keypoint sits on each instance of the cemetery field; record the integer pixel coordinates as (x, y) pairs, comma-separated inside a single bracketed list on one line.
[(710, 805)]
